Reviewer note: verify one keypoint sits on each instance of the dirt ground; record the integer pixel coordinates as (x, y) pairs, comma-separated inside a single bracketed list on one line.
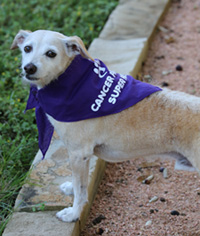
[(164, 205)]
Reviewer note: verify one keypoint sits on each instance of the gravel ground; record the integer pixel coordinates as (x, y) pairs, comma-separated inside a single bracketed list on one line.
[(124, 205)]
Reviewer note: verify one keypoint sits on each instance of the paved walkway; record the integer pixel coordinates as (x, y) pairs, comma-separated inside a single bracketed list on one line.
[(122, 45)]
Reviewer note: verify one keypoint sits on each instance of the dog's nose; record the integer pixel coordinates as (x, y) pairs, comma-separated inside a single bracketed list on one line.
[(30, 69)]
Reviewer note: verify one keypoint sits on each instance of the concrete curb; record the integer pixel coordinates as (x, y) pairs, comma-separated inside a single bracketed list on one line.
[(122, 45)]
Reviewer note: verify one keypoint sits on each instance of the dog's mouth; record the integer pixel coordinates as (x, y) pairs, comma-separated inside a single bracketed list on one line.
[(31, 78)]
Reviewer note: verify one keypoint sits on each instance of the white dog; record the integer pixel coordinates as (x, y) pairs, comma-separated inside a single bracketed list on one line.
[(164, 122)]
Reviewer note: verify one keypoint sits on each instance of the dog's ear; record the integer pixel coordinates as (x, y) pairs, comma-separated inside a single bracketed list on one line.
[(19, 38), (74, 46)]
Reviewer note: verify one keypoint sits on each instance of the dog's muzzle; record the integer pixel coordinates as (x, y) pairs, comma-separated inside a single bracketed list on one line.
[(30, 70)]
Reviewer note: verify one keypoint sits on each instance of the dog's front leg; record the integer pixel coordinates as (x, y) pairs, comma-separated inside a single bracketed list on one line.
[(80, 169)]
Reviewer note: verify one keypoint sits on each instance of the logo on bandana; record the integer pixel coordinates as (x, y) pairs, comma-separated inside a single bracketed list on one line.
[(100, 71)]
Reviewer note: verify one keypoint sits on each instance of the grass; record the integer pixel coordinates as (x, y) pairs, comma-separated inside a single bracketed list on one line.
[(18, 132)]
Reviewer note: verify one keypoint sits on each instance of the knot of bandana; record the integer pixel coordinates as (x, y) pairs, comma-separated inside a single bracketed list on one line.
[(87, 89)]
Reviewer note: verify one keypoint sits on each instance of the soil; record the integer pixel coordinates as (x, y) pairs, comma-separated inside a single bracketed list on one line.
[(164, 205)]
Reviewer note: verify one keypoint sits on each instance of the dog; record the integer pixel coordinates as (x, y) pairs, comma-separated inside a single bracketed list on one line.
[(165, 122)]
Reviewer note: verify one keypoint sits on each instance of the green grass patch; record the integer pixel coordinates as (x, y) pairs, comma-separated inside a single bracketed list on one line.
[(18, 132)]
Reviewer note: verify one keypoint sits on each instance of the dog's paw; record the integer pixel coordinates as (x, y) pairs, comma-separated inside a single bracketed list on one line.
[(67, 215), (67, 188), (184, 165)]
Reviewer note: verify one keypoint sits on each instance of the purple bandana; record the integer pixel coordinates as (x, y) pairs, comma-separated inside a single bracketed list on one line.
[(85, 90)]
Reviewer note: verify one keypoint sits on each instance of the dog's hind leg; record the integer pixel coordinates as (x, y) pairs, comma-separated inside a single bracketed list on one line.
[(80, 169), (190, 159)]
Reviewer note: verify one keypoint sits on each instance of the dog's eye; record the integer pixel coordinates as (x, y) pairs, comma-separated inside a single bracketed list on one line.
[(27, 49), (51, 54)]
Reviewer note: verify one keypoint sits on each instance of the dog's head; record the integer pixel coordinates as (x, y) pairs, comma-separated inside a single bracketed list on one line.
[(46, 54)]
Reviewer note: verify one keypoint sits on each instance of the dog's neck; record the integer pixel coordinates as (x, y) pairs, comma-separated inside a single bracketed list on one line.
[(69, 61)]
